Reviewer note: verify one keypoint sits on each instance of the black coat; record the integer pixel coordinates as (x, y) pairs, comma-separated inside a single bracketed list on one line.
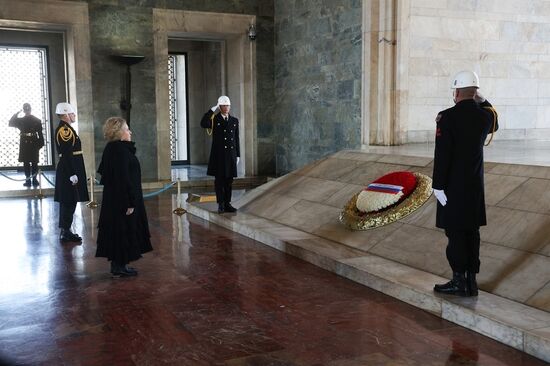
[(31, 138), (225, 144), (71, 162), (122, 238), (458, 164)]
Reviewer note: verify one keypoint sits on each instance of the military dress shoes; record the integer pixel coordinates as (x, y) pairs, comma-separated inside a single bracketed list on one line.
[(67, 235), (221, 208), (471, 283), (229, 208), (456, 286), (118, 270)]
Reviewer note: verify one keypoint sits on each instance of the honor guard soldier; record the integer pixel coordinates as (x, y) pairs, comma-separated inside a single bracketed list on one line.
[(31, 141), (458, 179), (225, 151), (70, 174)]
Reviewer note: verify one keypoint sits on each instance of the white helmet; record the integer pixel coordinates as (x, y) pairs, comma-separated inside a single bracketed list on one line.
[(224, 100), (465, 79), (64, 108)]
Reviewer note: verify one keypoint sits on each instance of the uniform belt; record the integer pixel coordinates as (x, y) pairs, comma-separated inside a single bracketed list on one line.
[(28, 134), (74, 153)]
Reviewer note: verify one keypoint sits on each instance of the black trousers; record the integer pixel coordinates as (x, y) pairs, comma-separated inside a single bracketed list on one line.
[(463, 250), (223, 189), (27, 167), (66, 212)]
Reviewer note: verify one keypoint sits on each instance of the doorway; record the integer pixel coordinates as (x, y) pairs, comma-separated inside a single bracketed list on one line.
[(178, 111), (24, 79)]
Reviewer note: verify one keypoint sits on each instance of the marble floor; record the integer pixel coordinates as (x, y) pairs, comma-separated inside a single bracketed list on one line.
[(204, 296)]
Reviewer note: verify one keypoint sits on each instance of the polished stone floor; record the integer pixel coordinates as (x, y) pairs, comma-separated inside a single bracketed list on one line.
[(204, 296)]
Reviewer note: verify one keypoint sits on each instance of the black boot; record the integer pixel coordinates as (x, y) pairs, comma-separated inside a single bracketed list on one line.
[(221, 208), (27, 182), (119, 270), (229, 208), (66, 235), (471, 283), (456, 286), (35, 182)]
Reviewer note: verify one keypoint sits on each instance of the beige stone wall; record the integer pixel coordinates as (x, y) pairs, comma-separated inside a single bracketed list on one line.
[(506, 42)]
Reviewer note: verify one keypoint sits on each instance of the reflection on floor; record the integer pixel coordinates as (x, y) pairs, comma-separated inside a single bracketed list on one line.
[(204, 296)]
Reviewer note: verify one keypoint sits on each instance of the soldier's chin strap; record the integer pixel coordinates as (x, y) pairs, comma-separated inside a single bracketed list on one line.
[(494, 124)]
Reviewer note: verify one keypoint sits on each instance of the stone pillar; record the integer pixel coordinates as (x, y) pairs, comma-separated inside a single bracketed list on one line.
[(379, 73)]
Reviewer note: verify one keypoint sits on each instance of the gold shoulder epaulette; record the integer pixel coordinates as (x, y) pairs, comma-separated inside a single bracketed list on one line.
[(65, 134)]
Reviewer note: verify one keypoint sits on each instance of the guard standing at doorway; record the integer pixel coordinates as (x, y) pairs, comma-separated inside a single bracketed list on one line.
[(70, 174), (31, 141), (225, 151), (458, 180)]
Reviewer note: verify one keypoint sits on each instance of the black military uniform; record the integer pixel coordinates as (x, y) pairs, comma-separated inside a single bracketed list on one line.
[(223, 155), (71, 162), (458, 171), (31, 141)]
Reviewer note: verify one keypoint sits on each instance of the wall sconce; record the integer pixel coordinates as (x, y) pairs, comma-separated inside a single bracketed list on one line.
[(251, 32), (126, 98)]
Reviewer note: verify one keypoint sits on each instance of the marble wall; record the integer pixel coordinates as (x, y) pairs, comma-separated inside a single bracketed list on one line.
[(506, 42), (317, 79)]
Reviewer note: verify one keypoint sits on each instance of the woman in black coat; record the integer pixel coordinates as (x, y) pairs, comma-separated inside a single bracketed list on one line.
[(123, 227)]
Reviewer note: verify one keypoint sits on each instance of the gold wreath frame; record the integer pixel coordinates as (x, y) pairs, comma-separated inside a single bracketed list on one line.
[(352, 218)]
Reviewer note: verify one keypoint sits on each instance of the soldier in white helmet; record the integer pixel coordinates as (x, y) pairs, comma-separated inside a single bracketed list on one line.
[(458, 179), (70, 175), (225, 151)]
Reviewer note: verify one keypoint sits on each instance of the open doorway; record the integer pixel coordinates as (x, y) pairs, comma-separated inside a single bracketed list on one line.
[(24, 79), (195, 81), (179, 126)]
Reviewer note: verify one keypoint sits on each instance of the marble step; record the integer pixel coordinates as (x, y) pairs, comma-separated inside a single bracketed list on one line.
[(512, 323)]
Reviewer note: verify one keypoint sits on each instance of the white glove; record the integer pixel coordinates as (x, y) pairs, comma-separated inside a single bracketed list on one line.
[(478, 97), (129, 211), (213, 109), (238, 160), (441, 197), (74, 179)]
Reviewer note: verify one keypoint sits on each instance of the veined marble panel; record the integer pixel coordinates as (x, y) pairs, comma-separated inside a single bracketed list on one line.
[(537, 343), (532, 196), (333, 168), (308, 216), (362, 240), (370, 172), (343, 195), (328, 248), (357, 155), (402, 282), (416, 247), (414, 161), (277, 182), (511, 273), (525, 231), (497, 187), (528, 171), (285, 185), (270, 205), (314, 189), (424, 216), (308, 167), (481, 324), (541, 299)]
